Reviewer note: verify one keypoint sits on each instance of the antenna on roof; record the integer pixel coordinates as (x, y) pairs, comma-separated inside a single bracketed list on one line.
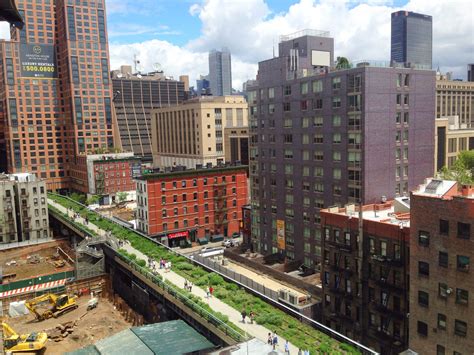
[(273, 47)]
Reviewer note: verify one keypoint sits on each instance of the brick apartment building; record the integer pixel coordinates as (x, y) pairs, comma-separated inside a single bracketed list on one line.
[(321, 137), (365, 294), (55, 88), (441, 279), (192, 204), (106, 174)]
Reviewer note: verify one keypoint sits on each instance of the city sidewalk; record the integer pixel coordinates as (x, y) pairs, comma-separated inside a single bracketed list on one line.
[(254, 329)]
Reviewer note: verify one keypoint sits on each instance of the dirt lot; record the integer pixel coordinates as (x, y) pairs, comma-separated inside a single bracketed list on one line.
[(92, 326), (23, 269), (122, 212)]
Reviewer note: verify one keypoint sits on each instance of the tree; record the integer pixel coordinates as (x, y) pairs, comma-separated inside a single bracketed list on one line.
[(121, 196), (343, 63), (81, 198), (94, 199), (462, 170)]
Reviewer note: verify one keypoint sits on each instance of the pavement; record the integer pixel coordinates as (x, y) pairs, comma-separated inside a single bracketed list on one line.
[(254, 329)]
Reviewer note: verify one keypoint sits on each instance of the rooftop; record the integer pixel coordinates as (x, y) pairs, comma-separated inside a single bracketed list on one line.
[(306, 32), (396, 212), (193, 172), (444, 189), (20, 177)]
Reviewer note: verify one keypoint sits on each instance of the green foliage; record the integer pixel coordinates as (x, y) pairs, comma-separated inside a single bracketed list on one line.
[(121, 196), (301, 335), (215, 279), (343, 63), (462, 170), (141, 262), (93, 200), (78, 197)]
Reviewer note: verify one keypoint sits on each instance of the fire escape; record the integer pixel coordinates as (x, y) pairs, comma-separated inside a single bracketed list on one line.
[(99, 183), (220, 208)]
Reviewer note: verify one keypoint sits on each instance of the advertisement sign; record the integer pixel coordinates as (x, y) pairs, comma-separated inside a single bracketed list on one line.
[(38, 61), (136, 170), (178, 234), (280, 234)]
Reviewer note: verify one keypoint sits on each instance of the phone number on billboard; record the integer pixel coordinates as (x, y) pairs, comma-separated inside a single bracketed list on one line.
[(36, 68)]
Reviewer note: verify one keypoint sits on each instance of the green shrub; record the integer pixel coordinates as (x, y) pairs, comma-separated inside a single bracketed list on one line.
[(184, 266), (141, 262), (231, 287), (202, 281), (132, 256), (215, 279)]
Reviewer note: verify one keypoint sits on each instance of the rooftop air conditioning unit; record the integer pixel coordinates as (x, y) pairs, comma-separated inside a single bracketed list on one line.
[(283, 294), (293, 298)]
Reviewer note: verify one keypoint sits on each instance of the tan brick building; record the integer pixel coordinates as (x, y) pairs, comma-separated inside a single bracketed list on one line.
[(455, 98), (192, 133), (451, 138), (441, 280)]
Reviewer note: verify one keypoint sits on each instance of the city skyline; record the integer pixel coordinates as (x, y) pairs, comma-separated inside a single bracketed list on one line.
[(179, 34)]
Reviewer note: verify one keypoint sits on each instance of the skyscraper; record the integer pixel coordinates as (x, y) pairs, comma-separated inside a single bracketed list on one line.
[(56, 88), (322, 137), (412, 39), (470, 72), (220, 72)]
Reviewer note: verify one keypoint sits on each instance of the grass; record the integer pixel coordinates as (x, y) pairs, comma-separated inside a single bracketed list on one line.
[(299, 334)]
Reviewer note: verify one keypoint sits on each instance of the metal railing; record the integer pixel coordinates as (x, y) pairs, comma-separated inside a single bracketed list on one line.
[(181, 296), (319, 326)]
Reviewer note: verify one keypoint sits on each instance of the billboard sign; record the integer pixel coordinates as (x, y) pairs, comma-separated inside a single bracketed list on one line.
[(136, 170), (281, 234), (38, 61)]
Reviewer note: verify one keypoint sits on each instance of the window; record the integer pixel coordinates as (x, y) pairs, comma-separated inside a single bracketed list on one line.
[(463, 263), (175, 211), (443, 259), (464, 230), (441, 321), (287, 90), (318, 121), (442, 290), (317, 86), (163, 213), (317, 104), (423, 298), (460, 328), (422, 328), (271, 93), (383, 248), (440, 350), (443, 227), (318, 138), (423, 268), (336, 102), (424, 238), (286, 106), (336, 138), (462, 296), (304, 88)]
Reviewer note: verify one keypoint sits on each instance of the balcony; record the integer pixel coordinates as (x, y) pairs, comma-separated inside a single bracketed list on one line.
[(341, 291), (385, 310), (383, 259), (385, 284), (341, 245)]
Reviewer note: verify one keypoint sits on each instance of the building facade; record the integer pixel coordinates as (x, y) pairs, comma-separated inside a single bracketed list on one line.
[(455, 98), (220, 72), (470, 72), (55, 88), (193, 133), (23, 208), (236, 144), (365, 294), (412, 39), (451, 138), (322, 138), (135, 96), (192, 203), (106, 174), (441, 280)]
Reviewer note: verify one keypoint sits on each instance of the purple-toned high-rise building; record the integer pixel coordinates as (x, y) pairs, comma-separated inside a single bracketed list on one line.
[(322, 137)]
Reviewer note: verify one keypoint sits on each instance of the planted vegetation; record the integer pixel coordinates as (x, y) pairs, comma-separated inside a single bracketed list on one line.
[(287, 327)]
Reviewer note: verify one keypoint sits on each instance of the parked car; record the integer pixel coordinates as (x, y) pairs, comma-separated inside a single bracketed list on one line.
[(229, 243)]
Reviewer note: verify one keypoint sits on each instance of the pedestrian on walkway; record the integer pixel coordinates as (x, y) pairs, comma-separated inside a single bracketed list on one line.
[(185, 284), (270, 339), (275, 340), (300, 352), (306, 352), (161, 263), (244, 314), (211, 290), (252, 316), (287, 348), (190, 286)]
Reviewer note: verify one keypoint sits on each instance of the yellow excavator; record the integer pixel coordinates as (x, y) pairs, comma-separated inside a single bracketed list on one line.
[(16, 343), (50, 305)]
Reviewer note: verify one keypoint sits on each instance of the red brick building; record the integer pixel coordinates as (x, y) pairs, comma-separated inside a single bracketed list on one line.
[(441, 280), (105, 174), (365, 295), (192, 204)]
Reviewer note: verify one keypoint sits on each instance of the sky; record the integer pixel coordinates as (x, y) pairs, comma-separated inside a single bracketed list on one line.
[(178, 34)]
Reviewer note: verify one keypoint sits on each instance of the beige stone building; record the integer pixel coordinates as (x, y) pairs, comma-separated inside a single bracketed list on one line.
[(455, 98), (451, 137), (193, 132), (23, 208)]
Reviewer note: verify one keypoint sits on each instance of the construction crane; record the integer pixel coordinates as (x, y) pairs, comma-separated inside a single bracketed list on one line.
[(50, 305), (16, 343)]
